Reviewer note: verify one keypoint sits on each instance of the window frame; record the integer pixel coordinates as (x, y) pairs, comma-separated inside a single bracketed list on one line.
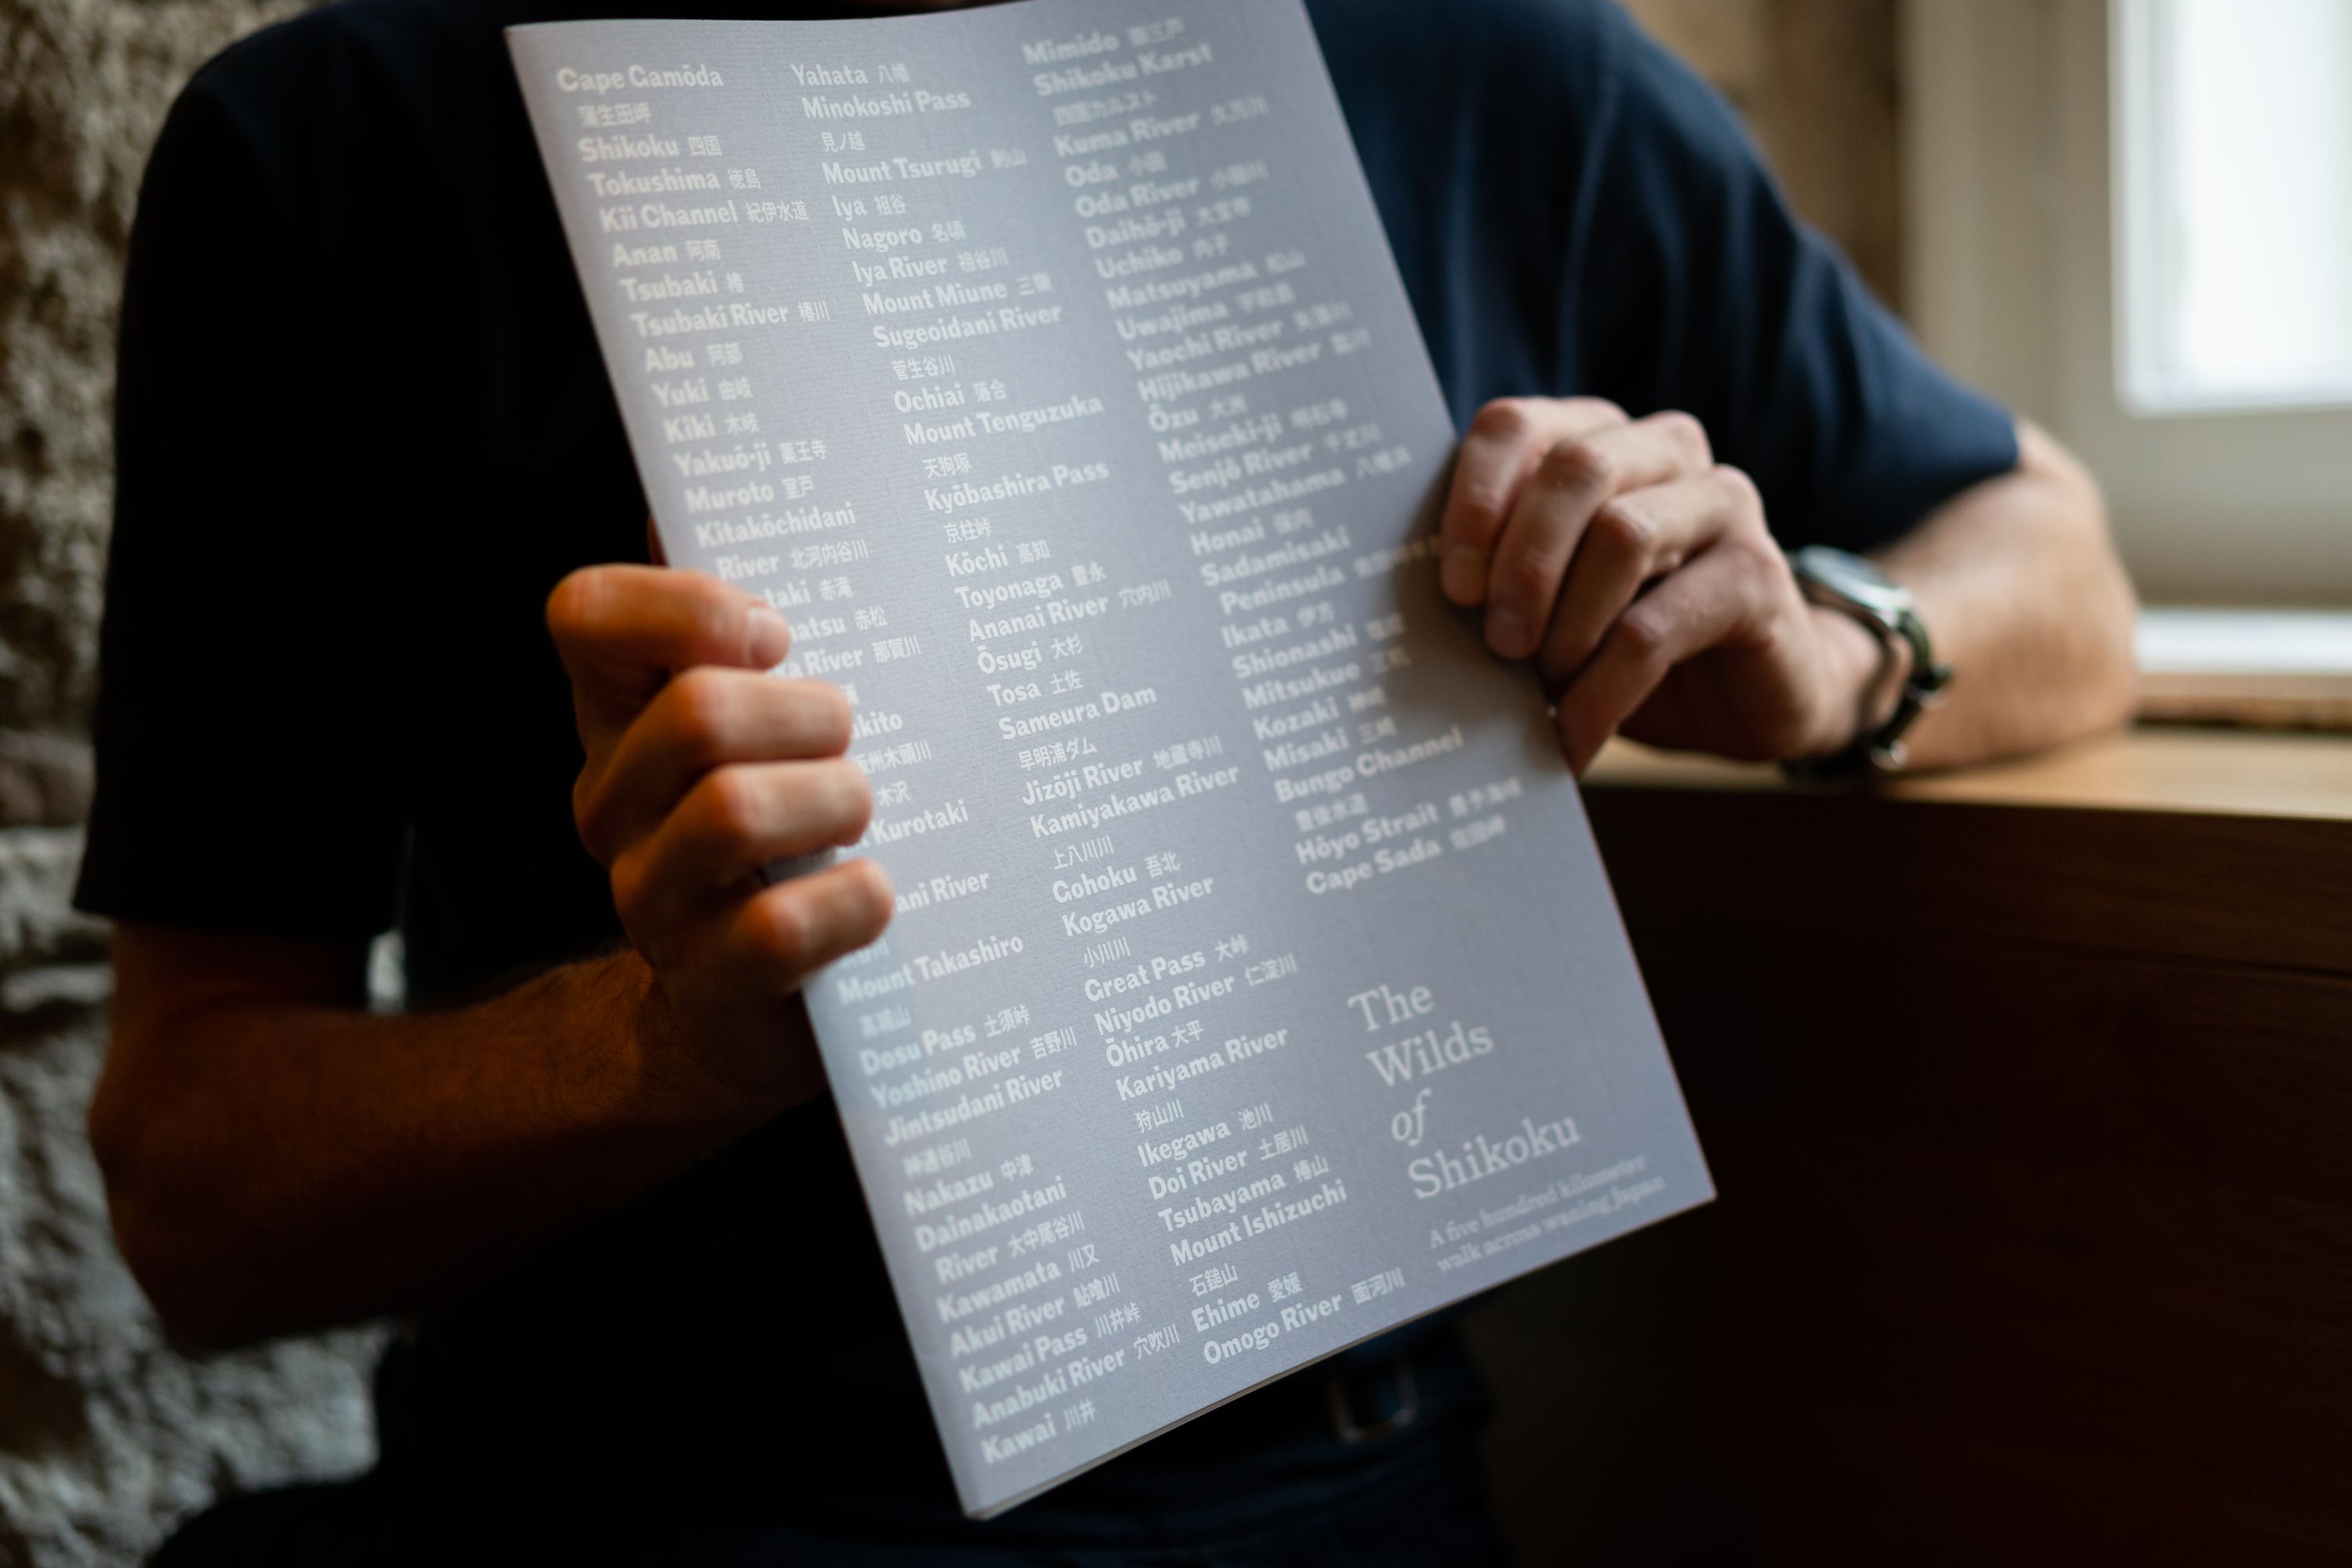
[(2011, 222)]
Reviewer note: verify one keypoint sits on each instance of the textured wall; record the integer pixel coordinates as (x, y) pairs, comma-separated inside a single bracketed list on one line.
[(107, 1435)]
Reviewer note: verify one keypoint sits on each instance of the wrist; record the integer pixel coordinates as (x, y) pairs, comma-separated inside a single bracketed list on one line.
[(722, 1072), (661, 1079), (1863, 679)]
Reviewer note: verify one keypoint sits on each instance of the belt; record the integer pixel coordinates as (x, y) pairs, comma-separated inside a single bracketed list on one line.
[(1347, 1401), (1371, 1401)]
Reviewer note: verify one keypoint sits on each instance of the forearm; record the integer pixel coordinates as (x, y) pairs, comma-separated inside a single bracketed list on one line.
[(279, 1165), (2021, 589)]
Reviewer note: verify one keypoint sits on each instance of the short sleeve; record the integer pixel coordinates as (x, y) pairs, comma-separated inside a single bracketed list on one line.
[(247, 770), (1695, 286)]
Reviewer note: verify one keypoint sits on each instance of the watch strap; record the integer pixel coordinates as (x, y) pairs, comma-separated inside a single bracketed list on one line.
[(1888, 616)]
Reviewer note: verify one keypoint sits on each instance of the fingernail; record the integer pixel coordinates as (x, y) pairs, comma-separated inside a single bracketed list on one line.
[(1507, 634), (771, 639), (1463, 574)]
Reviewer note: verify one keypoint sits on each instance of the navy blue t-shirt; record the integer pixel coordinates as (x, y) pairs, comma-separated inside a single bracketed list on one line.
[(364, 430)]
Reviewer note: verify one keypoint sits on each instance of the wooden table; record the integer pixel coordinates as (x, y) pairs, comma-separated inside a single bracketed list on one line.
[(2028, 1091)]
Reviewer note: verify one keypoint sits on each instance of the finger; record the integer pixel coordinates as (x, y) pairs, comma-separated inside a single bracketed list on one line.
[(622, 630), (1503, 443), (733, 821), (1634, 538), (1706, 604), (704, 719), (803, 924), (1572, 481)]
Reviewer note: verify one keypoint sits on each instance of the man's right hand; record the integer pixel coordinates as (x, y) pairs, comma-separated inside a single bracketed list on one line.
[(702, 767), (277, 1157)]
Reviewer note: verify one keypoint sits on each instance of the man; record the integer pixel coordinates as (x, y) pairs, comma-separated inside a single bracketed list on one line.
[(368, 461)]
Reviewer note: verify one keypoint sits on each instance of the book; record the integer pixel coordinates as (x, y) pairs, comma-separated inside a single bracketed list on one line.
[(1255, 985)]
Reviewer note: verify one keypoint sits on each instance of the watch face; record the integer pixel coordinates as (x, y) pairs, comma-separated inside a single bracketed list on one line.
[(1852, 577)]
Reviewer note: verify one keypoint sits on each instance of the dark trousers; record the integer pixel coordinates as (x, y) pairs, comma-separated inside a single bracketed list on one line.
[(1316, 1469)]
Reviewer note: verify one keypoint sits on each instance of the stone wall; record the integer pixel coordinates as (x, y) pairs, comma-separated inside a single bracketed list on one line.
[(107, 1434)]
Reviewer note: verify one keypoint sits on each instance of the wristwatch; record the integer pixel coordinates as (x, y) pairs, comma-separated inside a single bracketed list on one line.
[(1849, 584)]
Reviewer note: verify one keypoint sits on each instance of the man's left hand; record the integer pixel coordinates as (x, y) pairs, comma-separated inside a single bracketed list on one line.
[(1638, 573)]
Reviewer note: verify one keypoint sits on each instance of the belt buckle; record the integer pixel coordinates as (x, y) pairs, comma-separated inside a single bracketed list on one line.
[(1343, 1413)]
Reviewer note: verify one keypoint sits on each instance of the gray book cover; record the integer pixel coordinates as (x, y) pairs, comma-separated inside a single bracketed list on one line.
[(1255, 985)]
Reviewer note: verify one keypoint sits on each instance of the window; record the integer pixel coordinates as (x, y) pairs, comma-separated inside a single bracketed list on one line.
[(2233, 166), (2132, 219)]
